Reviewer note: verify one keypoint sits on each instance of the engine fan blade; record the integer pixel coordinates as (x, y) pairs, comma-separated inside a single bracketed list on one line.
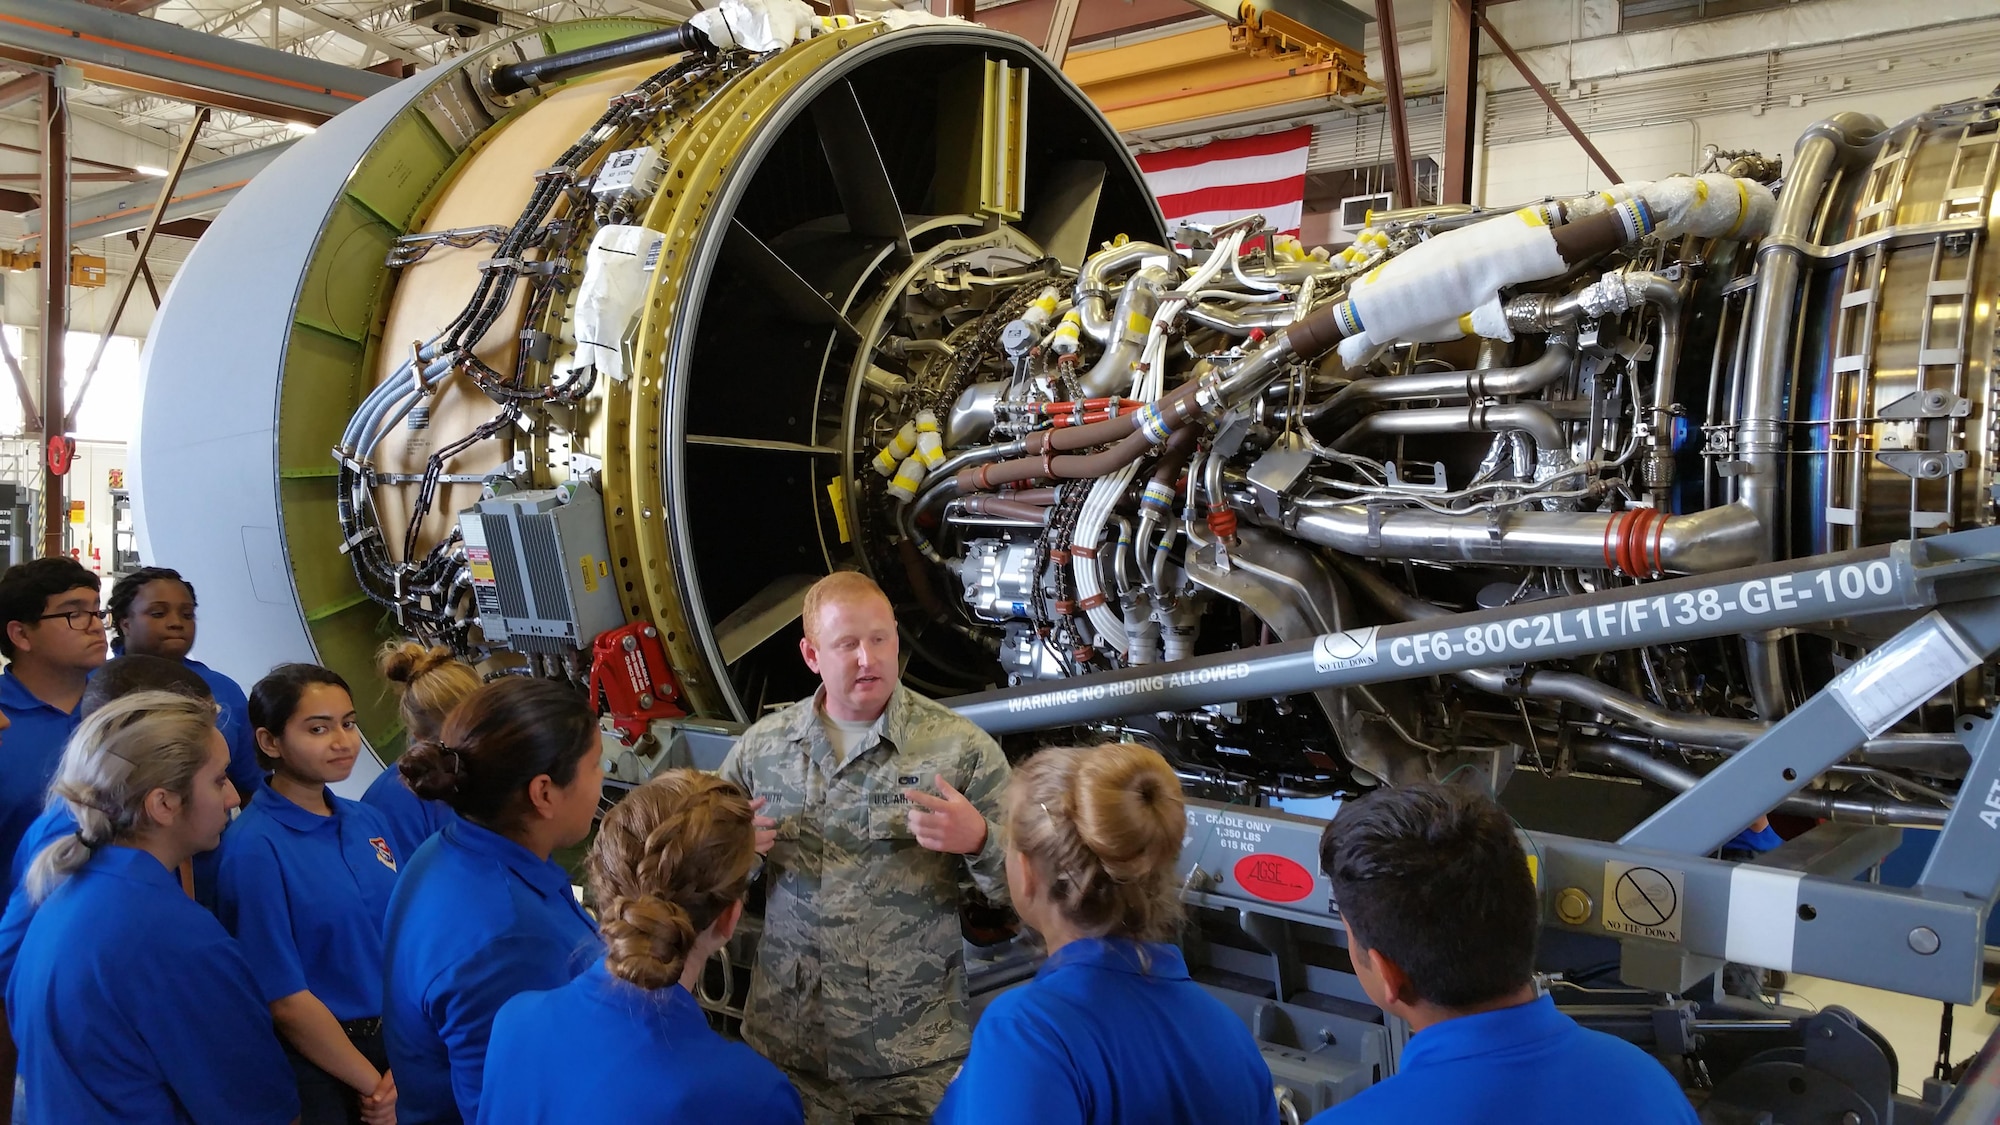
[(1064, 210), (759, 619), (862, 179), (758, 260)]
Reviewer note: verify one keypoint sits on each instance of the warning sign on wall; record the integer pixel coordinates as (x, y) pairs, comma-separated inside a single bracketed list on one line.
[(1643, 901), (76, 513)]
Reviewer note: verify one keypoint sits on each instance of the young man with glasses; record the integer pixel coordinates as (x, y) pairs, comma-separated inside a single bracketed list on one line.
[(52, 634)]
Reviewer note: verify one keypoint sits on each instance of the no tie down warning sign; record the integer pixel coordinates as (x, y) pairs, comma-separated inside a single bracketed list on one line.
[(1643, 901)]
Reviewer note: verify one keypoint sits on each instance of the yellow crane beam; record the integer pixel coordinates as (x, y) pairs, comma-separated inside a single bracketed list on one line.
[(1215, 70)]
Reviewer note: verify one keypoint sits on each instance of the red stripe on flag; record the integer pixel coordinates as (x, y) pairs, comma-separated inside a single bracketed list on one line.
[(1246, 198), (1263, 144)]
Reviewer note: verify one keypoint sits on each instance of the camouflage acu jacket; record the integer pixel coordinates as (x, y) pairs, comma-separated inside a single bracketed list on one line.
[(860, 967)]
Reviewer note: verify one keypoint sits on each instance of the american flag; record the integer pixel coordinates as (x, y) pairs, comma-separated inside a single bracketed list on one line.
[(1228, 179)]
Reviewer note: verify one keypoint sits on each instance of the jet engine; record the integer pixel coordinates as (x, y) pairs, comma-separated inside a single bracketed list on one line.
[(586, 354)]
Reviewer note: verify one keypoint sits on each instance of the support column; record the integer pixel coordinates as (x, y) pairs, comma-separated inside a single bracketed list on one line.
[(55, 302), (1461, 91), (1392, 81)]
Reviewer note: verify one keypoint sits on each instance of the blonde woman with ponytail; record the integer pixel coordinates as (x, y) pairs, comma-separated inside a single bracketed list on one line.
[(131, 1002), (668, 873), (1111, 1031), (428, 682)]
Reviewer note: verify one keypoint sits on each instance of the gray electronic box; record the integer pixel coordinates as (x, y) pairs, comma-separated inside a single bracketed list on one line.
[(541, 568)]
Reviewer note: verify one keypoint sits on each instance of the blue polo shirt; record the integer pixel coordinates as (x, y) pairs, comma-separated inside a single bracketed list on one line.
[(234, 722), (1111, 1032), (633, 1056), (412, 820), (54, 823), (131, 1003), (29, 753), (305, 896), (475, 920), (1525, 1065)]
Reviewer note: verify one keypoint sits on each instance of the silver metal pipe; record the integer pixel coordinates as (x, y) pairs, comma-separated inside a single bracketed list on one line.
[(1820, 806), (1771, 328), (1529, 377), (1091, 283), (1477, 418), (1112, 373), (1241, 322), (1717, 539)]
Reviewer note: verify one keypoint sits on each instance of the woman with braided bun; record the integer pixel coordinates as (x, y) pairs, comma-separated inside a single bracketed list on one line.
[(668, 873), (1111, 1031), (130, 1001), (429, 682), (481, 913)]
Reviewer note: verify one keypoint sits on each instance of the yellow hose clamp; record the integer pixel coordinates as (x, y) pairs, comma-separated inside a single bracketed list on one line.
[(908, 477), (899, 447), (930, 448)]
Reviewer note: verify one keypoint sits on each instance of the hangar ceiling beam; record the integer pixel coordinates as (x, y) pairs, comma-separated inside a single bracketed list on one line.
[(352, 31), (203, 190), (131, 52), (145, 245)]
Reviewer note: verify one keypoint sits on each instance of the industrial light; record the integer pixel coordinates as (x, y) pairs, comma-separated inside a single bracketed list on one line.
[(300, 127), (148, 170)]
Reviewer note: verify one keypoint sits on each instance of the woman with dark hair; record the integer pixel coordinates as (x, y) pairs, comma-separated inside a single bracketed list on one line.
[(303, 882), (668, 874), (1112, 1031), (152, 614), (481, 913)]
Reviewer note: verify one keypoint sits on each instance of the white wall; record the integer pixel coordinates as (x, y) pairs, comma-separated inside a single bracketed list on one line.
[(1653, 100), (89, 481)]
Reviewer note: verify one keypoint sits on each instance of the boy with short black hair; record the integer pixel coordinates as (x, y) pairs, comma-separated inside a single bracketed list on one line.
[(52, 633), (1442, 917)]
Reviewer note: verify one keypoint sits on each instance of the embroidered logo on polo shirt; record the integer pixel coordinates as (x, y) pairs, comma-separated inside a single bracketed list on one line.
[(382, 852)]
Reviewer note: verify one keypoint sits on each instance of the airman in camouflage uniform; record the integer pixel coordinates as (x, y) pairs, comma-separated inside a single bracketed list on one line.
[(859, 987)]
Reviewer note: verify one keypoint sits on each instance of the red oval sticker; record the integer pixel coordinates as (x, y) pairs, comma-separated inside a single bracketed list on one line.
[(1273, 878)]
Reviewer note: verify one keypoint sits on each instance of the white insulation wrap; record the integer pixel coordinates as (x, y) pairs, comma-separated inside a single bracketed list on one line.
[(1422, 293), (1711, 205), (616, 272)]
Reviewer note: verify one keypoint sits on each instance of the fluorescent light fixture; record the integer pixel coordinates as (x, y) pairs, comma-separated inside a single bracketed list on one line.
[(148, 170)]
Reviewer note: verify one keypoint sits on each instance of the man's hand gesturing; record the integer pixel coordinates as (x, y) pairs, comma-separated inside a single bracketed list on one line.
[(949, 823), (767, 829)]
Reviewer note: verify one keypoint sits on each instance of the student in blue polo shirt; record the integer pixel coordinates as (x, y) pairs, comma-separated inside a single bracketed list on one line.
[(1111, 1031), (152, 614), (131, 1002), (1442, 917), (304, 883), (52, 633), (668, 871), (480, 913), (120, 676), (429, 682)]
